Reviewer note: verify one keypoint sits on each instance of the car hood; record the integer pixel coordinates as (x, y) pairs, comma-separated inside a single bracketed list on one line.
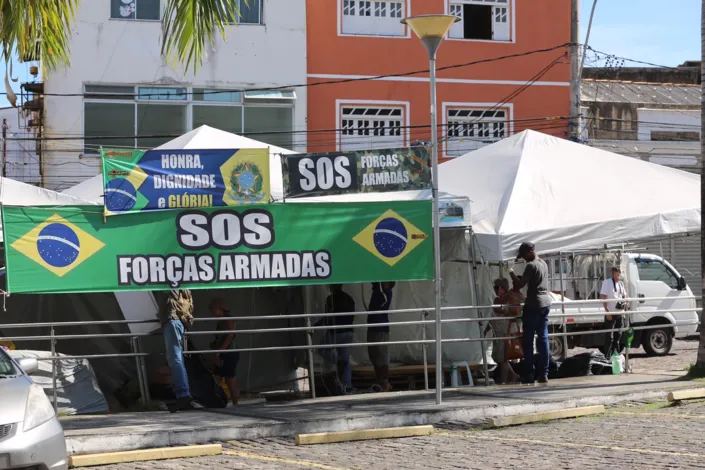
[(14, 399)]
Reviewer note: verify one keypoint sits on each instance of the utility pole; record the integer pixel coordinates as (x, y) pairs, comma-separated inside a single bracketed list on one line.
[(4, 147), (575, 120), (700, 365)]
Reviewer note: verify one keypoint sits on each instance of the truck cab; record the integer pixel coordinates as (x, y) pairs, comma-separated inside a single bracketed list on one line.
[(645, 276)]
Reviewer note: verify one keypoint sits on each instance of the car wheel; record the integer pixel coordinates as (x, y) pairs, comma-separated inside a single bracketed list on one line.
[(658, 342)]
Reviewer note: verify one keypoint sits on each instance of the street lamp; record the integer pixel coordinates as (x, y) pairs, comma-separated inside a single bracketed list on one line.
[(431, 29)]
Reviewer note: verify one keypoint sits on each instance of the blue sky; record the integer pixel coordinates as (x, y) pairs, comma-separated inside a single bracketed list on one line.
[(657, 31), (664, 33)]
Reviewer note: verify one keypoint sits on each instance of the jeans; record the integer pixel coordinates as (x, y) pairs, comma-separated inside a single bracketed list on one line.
[(340, 356), (174, 340), (535, 322), (613, 339)]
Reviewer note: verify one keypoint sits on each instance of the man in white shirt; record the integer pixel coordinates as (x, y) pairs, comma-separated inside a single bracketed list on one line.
[(612, 292)]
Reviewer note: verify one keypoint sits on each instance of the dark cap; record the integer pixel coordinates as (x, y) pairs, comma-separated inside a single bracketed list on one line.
[(525, 248)]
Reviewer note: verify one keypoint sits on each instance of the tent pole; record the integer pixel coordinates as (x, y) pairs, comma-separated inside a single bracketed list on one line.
[(473, 292), (424, 314), (563, 319), (53, 371)]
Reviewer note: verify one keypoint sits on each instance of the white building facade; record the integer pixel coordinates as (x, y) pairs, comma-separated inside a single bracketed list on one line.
[(119, 91)]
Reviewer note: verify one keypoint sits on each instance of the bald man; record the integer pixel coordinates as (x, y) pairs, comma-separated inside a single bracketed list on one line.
[(226, 362)]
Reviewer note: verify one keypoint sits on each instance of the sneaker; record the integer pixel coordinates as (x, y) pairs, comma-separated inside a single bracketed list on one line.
[(183, 404), (528, 382), (387, 388), (543, 380)]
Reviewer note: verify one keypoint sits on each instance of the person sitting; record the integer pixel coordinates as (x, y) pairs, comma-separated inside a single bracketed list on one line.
[(510, 301)]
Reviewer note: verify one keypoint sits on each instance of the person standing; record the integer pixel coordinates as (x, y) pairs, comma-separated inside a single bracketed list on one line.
[(226, 362), (612, 292), (339, 302), (537, 306), (176, 316), (380, 300), (506, 299)]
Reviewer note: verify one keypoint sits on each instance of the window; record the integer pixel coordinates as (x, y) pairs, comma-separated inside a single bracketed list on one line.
[(135, 9), (146, 117), (278, 121), (469, 129), (158, 123), (106, 120), (650, 270), (250, 12), (480, 19), (374, 18), (371, 127)]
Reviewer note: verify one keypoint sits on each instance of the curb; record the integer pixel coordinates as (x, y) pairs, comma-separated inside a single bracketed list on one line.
[(686, 394), (546, 416), (84, 443), (362, 435), (143, 455)]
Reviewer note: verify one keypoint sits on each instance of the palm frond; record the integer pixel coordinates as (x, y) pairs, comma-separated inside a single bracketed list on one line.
[(189, 25), (37, 30)]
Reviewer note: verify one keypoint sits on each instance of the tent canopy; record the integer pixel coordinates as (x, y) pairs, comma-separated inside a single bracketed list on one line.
[(563, 195), (204, 137), (16, 193)]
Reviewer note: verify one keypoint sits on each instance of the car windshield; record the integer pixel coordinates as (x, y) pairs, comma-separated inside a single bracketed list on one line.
[(7, 367)]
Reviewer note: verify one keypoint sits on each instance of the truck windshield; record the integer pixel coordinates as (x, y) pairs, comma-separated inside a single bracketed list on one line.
[(652, 270)]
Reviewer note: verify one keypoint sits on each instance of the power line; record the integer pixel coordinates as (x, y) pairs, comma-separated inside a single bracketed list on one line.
[(326, 82)]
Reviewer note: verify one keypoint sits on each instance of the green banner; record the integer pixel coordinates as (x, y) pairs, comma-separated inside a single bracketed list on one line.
[(76, 249)]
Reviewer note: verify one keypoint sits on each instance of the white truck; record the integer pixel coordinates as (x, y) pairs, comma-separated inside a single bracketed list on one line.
[(645, 276)]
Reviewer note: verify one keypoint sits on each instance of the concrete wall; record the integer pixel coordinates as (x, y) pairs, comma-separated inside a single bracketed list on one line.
[(666, 121), (107, 51), (682, 74)]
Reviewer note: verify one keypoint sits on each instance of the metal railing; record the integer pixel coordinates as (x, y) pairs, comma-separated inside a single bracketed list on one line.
[(139, 356)]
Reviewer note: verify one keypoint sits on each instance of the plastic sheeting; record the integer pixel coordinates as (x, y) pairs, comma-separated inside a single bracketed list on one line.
[(456, 292), (77, 390)]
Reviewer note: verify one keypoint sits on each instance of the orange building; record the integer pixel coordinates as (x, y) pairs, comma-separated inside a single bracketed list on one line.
[(477, 104)]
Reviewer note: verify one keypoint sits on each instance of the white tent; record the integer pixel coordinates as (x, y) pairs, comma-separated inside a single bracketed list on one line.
[(16, 193), (562, 195), (204, 137)]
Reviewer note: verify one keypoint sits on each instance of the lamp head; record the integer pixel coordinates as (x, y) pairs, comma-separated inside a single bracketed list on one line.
[(430, 29)]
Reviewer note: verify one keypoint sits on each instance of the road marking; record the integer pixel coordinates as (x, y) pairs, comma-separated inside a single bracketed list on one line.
[(658, 415), (572, 444), (272, 458)]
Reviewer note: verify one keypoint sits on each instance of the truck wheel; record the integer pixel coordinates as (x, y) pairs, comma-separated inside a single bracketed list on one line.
[(657, 342), (555, 347)]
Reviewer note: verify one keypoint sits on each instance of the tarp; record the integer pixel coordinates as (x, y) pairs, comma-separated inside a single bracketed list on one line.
[(16, 193), (204, 137), (77, 390), (563, 195)]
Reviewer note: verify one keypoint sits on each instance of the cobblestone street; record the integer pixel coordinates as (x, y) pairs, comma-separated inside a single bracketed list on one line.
[(633, 436)]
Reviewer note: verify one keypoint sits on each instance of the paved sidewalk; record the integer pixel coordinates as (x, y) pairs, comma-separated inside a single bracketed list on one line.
[(128, 431)]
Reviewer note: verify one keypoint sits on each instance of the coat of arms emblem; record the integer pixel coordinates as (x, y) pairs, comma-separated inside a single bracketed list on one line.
[(246, 183)]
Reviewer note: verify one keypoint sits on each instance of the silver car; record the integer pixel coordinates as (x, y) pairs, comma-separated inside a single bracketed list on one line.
[(31, 436)]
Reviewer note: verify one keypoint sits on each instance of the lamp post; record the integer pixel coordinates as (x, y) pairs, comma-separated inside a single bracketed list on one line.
[(431, 29)]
